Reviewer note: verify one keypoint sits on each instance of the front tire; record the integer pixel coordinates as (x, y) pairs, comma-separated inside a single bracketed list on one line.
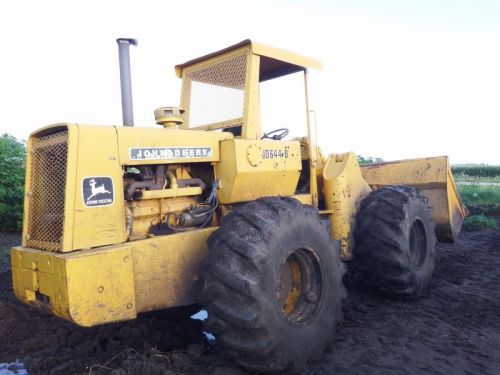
[(272, 285), (395, 242)]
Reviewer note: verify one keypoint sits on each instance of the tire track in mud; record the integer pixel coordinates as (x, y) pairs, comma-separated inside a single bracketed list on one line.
[(455, 329)]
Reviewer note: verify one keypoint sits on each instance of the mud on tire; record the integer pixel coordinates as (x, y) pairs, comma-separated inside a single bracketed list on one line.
[(272, 285), (395, 242)]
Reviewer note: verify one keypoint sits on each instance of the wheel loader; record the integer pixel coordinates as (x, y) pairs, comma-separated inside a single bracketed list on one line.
[(209, 210)]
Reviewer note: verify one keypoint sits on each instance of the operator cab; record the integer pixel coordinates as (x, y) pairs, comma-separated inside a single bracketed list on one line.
[(221, 91)]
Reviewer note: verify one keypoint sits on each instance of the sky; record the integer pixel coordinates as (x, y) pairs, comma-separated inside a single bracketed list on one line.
[(401, 79)]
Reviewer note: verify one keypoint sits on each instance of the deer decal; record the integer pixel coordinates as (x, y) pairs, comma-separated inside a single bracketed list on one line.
[(96, 190)]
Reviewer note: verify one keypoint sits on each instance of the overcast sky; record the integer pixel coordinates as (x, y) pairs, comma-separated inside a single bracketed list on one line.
[(401, 79)]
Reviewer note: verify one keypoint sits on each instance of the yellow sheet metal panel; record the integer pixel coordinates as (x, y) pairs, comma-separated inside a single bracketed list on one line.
[(252, 128), (35, 271), (457, 210), (303, 198), (252, 169), (100, 285), (139, 146), (344, 188), (424, 172), (99, 211), (432, 176), (258, 49), (166, 268), (86, 288), (286, 56), (69, 199)]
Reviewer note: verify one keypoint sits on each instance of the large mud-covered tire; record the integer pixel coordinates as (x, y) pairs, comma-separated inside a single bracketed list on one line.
[(272, 285), (395, 242)]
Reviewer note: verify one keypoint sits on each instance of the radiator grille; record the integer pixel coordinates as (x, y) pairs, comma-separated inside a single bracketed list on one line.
[(48, 165)]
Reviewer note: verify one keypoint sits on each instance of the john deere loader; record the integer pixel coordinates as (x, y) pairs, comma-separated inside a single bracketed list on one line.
[(209, 210)]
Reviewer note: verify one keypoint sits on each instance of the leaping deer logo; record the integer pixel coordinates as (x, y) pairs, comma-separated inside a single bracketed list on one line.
[(96, 190)]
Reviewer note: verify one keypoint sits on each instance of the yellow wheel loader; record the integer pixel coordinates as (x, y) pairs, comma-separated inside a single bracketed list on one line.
[(209, 209)]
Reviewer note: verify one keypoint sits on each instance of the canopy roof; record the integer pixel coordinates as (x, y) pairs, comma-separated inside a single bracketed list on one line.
[(274, 62)]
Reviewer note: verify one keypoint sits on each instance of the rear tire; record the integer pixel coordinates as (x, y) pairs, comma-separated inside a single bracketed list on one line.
[(272, 285), (395, 242)]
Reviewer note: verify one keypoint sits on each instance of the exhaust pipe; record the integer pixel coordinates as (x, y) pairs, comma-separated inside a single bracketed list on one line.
[(126, 79)]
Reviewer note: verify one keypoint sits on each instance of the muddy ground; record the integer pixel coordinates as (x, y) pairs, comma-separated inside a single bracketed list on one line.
[(453, 330)]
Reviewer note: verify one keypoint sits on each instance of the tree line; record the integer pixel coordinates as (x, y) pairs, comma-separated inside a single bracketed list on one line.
[(12, 170)]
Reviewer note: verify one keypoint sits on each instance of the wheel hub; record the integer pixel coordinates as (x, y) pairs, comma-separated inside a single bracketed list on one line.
[(418, 243), (299, 286)]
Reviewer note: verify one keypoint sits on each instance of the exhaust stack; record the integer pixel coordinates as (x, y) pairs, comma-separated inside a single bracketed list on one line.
[(126, 79)]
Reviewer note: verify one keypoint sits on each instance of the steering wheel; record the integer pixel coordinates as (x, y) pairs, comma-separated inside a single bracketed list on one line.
[(277, 134)]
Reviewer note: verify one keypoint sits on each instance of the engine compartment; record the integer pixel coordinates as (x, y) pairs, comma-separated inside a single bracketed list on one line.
[(167, 198)]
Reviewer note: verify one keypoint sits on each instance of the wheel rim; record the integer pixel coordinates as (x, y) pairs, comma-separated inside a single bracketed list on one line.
[(418, 244), (299, 286)]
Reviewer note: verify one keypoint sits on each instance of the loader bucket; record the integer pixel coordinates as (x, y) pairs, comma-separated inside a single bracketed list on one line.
[(432, 176)]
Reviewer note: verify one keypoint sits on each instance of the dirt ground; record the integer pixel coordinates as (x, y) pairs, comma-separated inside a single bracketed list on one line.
[(453, 330)]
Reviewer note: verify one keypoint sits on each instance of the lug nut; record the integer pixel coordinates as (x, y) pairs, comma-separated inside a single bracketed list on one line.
[(311, 297)]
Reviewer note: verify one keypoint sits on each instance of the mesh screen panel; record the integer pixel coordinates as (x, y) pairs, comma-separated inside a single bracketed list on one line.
[(214, 92), (47, 187)]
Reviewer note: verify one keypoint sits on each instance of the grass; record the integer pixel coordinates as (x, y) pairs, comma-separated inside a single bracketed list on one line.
[(480, 222), (480, 195), (486, 201)]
